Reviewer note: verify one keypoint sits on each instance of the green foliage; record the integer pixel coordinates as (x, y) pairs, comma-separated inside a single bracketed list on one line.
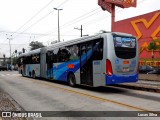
[(35, 45), (14, 60), (154, 45)]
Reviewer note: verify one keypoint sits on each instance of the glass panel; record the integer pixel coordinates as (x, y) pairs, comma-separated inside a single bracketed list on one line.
[(125, 47)]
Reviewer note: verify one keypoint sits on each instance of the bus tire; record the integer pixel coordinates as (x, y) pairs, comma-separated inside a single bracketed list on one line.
[(22, 73), (33, 74), (72, 80)]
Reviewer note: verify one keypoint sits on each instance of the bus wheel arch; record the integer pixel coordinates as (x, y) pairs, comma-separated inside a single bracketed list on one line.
[(33, 74), (30, 74), (22, 72), (71, 79)]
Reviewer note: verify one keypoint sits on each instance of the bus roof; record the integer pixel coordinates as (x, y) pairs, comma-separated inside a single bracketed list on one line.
[(79, 40), (74, 41), (36, 51)]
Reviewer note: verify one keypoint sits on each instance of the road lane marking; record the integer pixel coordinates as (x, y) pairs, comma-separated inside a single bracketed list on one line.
[(9, 75), (95, 97), (98, 98)]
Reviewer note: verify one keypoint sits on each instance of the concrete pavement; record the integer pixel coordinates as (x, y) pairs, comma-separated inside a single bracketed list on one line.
[(38, 95)]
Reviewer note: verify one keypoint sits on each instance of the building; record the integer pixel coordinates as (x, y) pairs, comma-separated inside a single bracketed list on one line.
[(147, 29)]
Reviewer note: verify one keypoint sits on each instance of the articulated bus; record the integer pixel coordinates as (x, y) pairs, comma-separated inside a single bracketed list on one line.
[(99, 60)]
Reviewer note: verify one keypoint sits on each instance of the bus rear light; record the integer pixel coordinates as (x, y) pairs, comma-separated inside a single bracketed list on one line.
[(125, 62), (108, 68)]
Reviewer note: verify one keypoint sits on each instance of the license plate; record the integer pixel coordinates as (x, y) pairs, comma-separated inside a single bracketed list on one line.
[(125, 69)]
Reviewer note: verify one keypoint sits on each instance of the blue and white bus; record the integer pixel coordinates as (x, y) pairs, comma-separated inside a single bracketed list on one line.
[(99, 60)]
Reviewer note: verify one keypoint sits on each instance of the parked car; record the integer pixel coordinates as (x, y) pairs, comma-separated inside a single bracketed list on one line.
[(156, 71), (3, 68), (145, 69)]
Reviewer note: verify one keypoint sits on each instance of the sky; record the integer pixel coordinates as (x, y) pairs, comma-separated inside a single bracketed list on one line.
[(23, 21)]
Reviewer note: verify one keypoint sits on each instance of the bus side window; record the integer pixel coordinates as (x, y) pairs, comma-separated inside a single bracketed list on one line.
[(52, 56), (83, 50), (89, 46), (98, 50), (56, 58), (49, 57), (35, 59), (74, 52), (27, 60), (65, 54), (59, 56)]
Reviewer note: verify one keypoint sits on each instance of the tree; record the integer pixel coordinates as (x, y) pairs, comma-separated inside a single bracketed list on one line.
[(4, 60), (36, 45), (154, 45), (14, 60)]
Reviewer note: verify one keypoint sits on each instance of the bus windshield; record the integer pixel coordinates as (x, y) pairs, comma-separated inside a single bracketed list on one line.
[(125, 47)]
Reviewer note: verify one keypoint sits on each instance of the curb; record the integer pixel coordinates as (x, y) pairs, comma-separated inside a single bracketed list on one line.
[(149, 80), (143, 88)]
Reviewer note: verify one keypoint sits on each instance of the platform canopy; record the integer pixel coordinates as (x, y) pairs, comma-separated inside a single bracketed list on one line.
[(106, 4)]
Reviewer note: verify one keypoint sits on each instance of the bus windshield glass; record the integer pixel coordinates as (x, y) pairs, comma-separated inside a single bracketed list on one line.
[(125, 47)]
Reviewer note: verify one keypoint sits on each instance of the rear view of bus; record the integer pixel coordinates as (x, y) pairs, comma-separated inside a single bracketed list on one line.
[(121, 58)]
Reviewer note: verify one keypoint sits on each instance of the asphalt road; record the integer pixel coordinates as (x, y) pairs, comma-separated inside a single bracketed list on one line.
[(40, 95)]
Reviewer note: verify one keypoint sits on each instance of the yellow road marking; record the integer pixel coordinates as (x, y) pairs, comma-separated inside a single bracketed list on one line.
[(98, 98)]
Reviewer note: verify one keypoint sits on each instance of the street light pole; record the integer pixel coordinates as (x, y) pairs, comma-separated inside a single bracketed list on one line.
[(58, 24), (10, 48)]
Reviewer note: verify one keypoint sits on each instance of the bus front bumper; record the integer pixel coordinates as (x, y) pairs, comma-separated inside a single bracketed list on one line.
[(116, 79)]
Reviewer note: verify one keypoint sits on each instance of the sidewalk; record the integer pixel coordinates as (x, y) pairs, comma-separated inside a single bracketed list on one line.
[(8, 104), (151, 77), (146, 82)]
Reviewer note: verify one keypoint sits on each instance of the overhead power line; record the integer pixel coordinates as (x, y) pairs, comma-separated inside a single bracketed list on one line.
[(70, 22), (33, 16), (81, 18), (73, 21), (93, 21), (44, 17), (41, 18), (62, 3), (29, 34)]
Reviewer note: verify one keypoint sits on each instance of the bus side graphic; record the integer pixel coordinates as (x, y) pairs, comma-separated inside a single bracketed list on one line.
[(62, 75)]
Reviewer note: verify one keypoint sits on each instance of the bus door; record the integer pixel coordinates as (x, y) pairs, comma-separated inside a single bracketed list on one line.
[(86, 69), (43, 64), (49, 58), (23, 61)]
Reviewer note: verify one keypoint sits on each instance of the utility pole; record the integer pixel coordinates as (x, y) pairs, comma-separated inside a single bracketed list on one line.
[(10, 38), (58, 24), (112, 17), (79, 29)]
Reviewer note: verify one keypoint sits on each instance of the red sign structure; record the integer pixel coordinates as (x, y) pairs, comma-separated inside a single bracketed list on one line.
[(109, 5), (106, 4), (147, 29), (122, 3)]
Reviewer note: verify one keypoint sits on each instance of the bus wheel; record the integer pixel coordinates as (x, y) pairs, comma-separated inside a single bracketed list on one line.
[(33, 75), (22, 73), (72, 80)]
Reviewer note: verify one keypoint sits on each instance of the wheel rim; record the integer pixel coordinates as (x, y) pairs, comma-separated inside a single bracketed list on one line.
[(72, 80), (34, 75)]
